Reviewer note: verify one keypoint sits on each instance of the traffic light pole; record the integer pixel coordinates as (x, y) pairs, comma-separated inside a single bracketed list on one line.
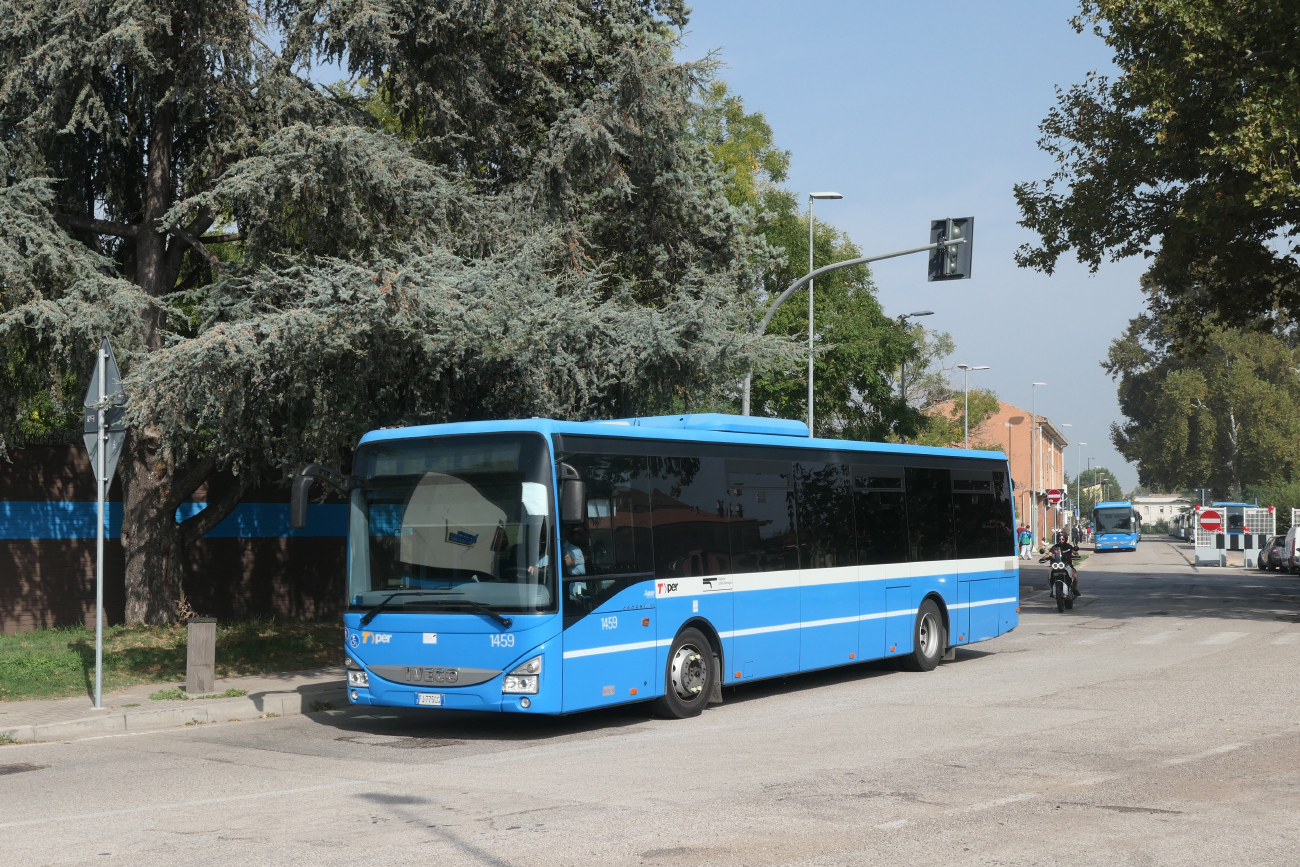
[(813, 275)]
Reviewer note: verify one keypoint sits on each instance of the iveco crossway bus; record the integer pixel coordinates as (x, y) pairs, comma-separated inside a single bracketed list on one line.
[(538, 566), (1116, 526)]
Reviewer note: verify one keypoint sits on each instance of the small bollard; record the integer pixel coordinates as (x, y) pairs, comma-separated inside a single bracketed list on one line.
[(201, 656)]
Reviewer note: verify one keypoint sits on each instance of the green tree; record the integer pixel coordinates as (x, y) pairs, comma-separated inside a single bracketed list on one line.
[(1221, 418), (1098, 486), (1187, 156), (530, 226)]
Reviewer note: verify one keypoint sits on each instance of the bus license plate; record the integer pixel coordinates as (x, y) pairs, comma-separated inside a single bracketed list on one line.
[(428, 699)]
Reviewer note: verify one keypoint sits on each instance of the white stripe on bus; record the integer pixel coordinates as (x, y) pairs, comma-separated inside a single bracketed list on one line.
[(781, 627)]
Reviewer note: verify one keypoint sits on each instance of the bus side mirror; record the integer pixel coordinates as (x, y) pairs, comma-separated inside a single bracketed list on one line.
[(300, 491), (573, 496), (573, 502)]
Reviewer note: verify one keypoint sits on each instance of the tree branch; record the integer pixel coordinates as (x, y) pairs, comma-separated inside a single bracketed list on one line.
[(196, 527), (99, 227), (223, 239), (197, 245)]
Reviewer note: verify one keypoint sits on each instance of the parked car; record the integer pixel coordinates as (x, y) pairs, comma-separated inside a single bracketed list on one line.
[(1290, 556), (1273, 554)]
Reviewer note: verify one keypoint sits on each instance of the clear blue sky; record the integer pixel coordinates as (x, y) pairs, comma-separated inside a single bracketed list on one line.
[(919, 111)]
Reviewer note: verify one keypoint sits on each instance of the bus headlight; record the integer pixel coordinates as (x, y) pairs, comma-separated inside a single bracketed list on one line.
[(356, 674), (523, 679)]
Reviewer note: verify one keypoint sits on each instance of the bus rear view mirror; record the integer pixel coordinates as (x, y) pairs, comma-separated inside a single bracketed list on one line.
[(298, 501), (573, 502), (573, 496)]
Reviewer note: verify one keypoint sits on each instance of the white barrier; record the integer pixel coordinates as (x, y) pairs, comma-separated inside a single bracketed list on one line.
[(1259, 522)]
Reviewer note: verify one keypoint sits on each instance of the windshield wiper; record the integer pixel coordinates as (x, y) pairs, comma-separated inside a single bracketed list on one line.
[(477, 606), (383, 603)]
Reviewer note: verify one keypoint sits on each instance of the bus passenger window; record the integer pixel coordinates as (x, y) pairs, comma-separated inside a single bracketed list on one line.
[(879, 515), (825, 515)]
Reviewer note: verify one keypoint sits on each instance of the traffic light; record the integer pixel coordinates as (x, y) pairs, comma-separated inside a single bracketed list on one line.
[(951, 261)]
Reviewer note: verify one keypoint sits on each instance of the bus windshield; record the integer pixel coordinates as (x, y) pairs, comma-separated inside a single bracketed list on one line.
[(1113, 521), (452, 523)]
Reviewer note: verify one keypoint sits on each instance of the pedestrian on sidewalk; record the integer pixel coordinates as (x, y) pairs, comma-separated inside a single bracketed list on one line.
[(1026, 539)]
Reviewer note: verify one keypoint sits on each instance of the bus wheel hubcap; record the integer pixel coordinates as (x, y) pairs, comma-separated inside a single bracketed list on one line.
[(929, 636), (688, 672)]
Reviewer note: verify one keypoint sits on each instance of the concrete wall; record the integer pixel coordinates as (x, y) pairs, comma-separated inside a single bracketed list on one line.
[(249, 565)]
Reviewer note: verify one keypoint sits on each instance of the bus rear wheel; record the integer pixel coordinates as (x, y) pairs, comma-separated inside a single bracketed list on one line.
[(928, 638), (688, 677)]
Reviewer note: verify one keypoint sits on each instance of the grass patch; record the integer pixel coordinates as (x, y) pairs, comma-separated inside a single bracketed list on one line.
[(6, 739), (178, 694), (57, 663)]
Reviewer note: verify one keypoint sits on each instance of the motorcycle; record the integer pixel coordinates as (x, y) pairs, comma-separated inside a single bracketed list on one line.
[(1062, 586)]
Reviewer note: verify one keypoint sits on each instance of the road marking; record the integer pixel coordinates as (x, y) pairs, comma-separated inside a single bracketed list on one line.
[(1217, 751), (897, 823), (1289, 638), (1223, 638), (1158, 638), (999, 802)]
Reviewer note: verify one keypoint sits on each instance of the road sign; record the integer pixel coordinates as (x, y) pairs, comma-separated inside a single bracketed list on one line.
[(1054, 496), (1210, 521), (114, 412), (105, 429)]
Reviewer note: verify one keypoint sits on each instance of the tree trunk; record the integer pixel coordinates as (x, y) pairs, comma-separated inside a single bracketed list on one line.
[(151, 541)]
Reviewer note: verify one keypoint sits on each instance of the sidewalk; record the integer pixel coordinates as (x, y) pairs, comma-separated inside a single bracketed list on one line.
[(284, 694)]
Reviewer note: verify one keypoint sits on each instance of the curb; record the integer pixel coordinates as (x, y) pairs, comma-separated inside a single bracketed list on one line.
[(188, 713)]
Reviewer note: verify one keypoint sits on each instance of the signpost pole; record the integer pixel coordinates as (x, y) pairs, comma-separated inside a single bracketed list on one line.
[(100, 473)]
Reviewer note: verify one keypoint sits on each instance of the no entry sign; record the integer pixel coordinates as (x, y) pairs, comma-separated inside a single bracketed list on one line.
[(1054, 496), (1210, 521)]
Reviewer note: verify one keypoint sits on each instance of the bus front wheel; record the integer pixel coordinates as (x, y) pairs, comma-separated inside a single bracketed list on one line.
[(928, 638), (688, 678)]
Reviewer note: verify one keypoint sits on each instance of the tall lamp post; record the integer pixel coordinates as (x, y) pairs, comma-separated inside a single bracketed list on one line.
[(1078, 485), (965, 390), (902, 367), (1064, 486), (811, 198), (1033, 455)]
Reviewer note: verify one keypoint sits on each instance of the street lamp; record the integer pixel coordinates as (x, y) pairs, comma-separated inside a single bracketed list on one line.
[(811, 198), (965, 388), (902, 368), (1063, 485), (1033, 454), (1078, 485)]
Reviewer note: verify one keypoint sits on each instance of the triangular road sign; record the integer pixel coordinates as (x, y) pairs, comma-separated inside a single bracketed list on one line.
[(114, 413)]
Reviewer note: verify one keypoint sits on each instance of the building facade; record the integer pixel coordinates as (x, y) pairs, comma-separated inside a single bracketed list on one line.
[(1160, 507), (1012, 431)]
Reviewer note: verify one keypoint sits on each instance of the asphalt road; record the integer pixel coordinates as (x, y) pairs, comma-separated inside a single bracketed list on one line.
[(1154, 724)]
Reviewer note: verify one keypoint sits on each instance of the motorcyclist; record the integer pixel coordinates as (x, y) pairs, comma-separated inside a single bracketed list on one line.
[(1068, 553)]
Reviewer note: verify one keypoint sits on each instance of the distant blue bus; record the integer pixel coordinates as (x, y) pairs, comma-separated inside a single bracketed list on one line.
[(540, 566), (1116, 526)]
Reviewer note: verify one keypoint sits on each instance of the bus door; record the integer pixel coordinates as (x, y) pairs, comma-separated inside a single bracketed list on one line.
[(608, 597), (765, 568)]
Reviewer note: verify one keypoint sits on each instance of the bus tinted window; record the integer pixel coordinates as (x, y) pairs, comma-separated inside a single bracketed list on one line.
[(825, 515), (762, 505), (929, 514), (880, 515), (688, 502), (981, 513)]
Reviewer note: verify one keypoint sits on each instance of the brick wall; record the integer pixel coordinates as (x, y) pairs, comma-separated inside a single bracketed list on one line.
[(250, 565)]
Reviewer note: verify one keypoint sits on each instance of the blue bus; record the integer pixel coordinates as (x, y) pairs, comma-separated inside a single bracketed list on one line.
[(1116, 526), (540, 566)]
